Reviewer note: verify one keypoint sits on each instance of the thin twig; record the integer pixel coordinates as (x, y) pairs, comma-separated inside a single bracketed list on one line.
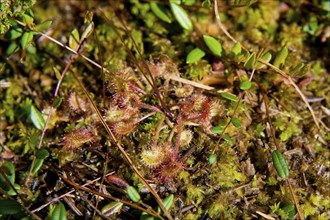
[(221, 26), (240, 96), (77, 186), (301, 217), (66, 194), (282, 73)]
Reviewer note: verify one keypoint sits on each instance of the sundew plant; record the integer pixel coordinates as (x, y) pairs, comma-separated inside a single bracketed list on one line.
[(143, 109)]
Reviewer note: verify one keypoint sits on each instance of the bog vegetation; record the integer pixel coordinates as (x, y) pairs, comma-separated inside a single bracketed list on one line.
[(164, 109)]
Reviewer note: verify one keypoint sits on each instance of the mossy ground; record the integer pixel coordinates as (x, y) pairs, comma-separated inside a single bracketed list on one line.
[(168, 128)]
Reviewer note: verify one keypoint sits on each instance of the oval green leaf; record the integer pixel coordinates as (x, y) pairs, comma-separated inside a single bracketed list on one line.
[(59, 212), (37, 118), (280, 164), (36, 166), (181, 16), (133, 194), (12, 192), (300, 70), (237, 49), (213, 44), (188, 2), (229, 96), (28, 19), (228, 139), (245, 84), (146, 216), (195, 55), (111, 208), (236, 122), (26, 39), (250, 62), (14, 33), (159, 12), (10, 207), (281, 57), (88, 31), (43, 26), (74, 39), (212, 159), (266, 57), (57, 102), (12, 48), (168, 202), (57, 72), (217, 129), (9, 170), (290, 210), (42, 154)]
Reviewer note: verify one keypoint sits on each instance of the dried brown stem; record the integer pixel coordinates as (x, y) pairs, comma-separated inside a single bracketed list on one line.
[(77, 186), (301, 217)]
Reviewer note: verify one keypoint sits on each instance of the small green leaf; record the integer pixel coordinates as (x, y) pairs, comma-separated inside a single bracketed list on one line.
[(146, 216), (9, 170), (37, 118), (28, 19), (281, 57), (217, 129), (88, 17), (43, 26), (57, 73), (168, 202), (10, 207), (12, 48), (133, 194), (296, 68), (57, 102), (36, 166), (188, 2), (212, 159), (181, 16), (250, 62), (228, 139), (26, 39), (300, 70), (42, 154), (12, 192), (236, 50), (159, 12), (213, 44), (14, 33), (236, 122), (280, 164), (245, 84), (59, 212), (195, 55), (266, 57), (290, 210), (88, 31), (229, 96), (74, 39), (111, 208)]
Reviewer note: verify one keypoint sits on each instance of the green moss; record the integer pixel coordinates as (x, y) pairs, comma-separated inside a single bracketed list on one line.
[(227, 176), (195, 195), (133, 102)]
